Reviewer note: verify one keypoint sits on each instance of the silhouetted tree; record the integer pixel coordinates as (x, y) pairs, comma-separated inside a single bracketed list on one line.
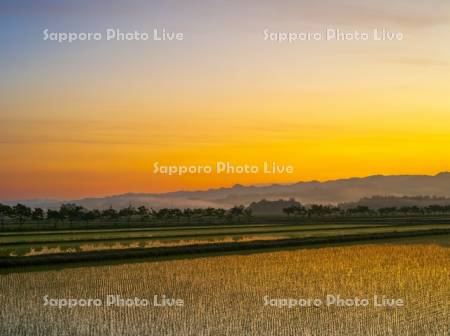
[(290, 210), (21, 212), (90, 215), (5, 212), (37, 214), (360, 209), (236, 211), (220, 213), (127, 212), (188, 213), (387, 210), (176, 213), (109, 214), (248, 213), (72, 212), (143, 212), (55, 216)]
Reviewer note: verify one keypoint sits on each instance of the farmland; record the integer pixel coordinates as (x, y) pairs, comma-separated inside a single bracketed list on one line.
[(64, 241), (230, 299), (228, 276)]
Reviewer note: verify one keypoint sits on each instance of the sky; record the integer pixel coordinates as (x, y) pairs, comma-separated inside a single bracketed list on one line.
[(90, 118)]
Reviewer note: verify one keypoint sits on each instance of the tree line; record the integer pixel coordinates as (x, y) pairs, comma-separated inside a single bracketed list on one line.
[(328, 210), (70, 212), (75, 213)]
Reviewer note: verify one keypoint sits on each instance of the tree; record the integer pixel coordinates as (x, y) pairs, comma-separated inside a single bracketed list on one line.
[(54, 215), (109, 214), (176, 213), (387, 210), (290, 210), (188, 213), (358, 210), (209, 212), (143, 212), (404, 210), (416, 209), (21, 212), (316, 210), (236, 211), (199, 213), (72, 212), (127, 212), (5, 211), (90, 215), (220, 213), (248, 213), (37, 214), (434, 209)]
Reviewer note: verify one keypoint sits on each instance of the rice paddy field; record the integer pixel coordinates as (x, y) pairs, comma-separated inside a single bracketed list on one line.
[(50, 242), (226, 295)]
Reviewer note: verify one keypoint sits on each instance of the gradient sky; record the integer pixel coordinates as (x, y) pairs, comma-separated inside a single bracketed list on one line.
[(90, 118)]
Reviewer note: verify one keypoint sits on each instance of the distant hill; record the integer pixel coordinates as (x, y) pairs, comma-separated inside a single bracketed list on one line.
[(378, 202), (329, 192)]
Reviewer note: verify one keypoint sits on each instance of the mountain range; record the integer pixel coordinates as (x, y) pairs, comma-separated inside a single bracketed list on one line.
[(327, 192)]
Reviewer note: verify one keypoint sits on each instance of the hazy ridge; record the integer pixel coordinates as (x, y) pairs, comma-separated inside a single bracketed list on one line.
[(328, 192)]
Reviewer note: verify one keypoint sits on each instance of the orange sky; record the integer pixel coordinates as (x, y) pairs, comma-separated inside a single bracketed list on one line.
[(91, 118)]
